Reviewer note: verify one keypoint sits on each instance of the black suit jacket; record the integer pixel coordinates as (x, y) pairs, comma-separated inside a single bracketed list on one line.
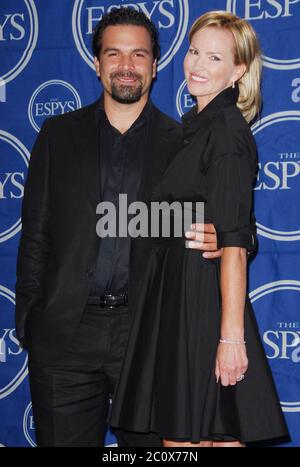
[(59, 245)]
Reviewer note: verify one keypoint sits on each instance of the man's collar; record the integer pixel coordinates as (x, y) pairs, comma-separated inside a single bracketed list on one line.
[(142, 119)]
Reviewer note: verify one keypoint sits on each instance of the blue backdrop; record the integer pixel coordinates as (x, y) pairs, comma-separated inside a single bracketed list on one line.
[(46, 69)]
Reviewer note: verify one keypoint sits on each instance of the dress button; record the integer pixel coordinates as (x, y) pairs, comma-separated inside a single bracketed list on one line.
[(90, 272), (186, 141)]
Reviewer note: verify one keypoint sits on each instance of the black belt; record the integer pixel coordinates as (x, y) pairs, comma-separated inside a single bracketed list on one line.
[(109, 300)]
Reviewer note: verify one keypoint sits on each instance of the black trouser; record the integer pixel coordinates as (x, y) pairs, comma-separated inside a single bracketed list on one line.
[(70, 399)]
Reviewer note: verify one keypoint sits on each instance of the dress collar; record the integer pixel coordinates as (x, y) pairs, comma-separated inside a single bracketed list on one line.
[(193, 120)]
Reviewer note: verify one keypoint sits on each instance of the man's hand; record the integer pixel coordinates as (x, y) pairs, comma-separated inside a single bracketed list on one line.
[(203, 237)]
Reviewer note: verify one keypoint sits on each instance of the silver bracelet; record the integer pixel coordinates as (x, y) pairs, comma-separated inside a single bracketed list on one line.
[(229, 341)]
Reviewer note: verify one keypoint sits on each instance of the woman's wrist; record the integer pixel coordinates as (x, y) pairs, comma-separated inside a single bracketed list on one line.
[(230, 333), (232, 341)]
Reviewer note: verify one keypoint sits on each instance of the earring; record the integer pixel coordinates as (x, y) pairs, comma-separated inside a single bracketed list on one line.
[(233, 84)]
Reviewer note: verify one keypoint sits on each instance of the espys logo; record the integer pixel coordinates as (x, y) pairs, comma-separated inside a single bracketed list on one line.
[(184, 101), (54, 97), (13, 360), (281, 339), (170, 16), (277, 22), (277, 136), (28, 425), (12, 178), (18, 36), (29, 429)]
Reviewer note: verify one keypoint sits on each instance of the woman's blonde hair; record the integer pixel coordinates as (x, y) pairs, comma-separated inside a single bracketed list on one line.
[(247, 52)]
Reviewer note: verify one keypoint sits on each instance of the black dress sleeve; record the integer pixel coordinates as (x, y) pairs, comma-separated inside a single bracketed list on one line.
[(229, 195)]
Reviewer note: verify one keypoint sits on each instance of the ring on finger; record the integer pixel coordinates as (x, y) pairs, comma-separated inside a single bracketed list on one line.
[(240, 378)]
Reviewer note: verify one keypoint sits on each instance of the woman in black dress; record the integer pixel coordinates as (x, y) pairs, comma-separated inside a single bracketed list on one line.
[(195, 371)]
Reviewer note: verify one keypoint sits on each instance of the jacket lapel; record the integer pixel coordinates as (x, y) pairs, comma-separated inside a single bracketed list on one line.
[(86, 149)]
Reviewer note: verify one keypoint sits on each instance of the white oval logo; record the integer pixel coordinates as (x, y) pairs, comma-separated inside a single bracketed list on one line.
[(278, 19), (294, 345), (278, 178), (19, 29), (28, 425), (13, 359), (184, 101), (12, 181), (170, 16), (54, 97)]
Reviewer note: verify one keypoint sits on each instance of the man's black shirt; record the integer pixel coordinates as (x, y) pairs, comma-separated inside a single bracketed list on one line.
[(121, 161)]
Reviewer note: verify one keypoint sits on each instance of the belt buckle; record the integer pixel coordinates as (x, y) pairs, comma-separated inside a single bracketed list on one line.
[(106, 301), (108, 297), (111, 301)]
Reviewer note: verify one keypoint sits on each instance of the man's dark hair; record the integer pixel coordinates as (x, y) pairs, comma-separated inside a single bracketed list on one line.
[(126, 16)]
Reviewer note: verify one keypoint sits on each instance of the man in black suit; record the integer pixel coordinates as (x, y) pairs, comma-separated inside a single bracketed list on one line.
[(72, 287)]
